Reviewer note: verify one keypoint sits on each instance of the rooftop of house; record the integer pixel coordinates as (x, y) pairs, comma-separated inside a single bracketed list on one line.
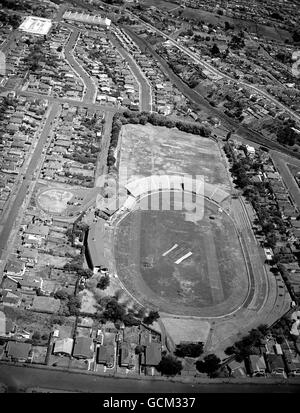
[(275, 361), (10, 298), (96, 242), (64, 345), (257, 362), (152, 354), (83, 347), (18, 350), (14, 266), (106, 354)]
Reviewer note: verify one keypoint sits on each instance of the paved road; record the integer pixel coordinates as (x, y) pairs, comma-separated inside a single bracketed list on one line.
[(194, 96), (72, 102), (90, 88), (36, 157), (18, 377), (145, 88), (216, 71)]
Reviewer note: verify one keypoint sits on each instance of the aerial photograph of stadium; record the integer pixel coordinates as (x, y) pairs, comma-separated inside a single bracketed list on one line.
[(149, 199)]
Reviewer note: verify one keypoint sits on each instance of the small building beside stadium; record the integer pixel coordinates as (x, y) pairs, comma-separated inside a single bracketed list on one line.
[(96, 240)]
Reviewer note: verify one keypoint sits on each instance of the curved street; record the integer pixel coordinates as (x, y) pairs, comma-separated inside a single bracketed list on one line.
[(90, 89)]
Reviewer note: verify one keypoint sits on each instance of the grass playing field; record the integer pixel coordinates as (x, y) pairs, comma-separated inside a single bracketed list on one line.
[(211, 279)]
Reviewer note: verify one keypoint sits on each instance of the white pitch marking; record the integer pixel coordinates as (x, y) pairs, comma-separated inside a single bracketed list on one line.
[(171, 249), (184, 257)]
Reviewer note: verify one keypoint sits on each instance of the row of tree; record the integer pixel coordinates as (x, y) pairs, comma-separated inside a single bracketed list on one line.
[(111, 309), (249, 344)]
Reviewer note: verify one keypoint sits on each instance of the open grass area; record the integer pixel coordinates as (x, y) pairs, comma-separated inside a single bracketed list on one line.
[(192, 330), (154, 150), (260, 30)]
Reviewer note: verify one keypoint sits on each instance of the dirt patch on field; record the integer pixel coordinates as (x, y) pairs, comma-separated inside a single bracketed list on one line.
[(55, 200), (187, 329)]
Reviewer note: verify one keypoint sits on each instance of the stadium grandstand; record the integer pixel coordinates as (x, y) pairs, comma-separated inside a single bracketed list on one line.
[(87, 19)]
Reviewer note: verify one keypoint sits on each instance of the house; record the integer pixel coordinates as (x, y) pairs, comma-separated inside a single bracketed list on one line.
[(11, 299), (106, 355), (237, 369), (7, 327), (126, 359), (29, 283), (152, 355), (83, 348), (15, 268), (9, 284), (17, 351), (37, 231), (275, 364), (96, 246), (29, 255), (257, 365), (292, 363), (63, 347)]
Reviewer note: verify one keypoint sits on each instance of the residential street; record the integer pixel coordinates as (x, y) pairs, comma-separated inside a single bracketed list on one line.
[(18, 377), (36, 158), (145, 88), (90, 89)]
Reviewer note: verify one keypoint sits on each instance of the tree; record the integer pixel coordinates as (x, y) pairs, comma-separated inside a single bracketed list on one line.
[(36, 335), (61, 294), (57, 320), (139, 349), (130, 320), (189, 349), (140, 312), (169, 366), (229, 351), (228, 26), (209, 365), (114, 311), (86, 273), (152, 316), (74, 305), (215, 51), (103, 282), (264, 329)]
